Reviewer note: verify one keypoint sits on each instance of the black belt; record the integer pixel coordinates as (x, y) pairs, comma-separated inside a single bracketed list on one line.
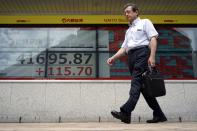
[(138, 47)]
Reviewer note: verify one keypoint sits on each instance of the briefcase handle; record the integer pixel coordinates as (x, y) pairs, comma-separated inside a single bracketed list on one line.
[(153, 70)]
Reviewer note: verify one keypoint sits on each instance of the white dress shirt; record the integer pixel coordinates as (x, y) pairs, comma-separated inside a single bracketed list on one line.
[(139, 33)]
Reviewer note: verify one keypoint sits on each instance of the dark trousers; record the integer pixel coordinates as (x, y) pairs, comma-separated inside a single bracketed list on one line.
[(138, 64)]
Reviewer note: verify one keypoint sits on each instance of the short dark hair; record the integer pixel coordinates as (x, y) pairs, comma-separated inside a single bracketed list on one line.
[(134, 7)]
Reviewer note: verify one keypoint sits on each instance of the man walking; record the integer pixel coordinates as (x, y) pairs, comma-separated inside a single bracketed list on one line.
[(140, 45)]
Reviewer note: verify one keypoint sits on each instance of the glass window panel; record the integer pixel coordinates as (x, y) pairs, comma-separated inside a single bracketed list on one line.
[(18, 50), (82, 52), (47, 52), (104, 69), (71, 53), (176, 53)]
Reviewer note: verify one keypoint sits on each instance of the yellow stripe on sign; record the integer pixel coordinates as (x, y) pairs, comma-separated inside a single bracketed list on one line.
[(95, 19)]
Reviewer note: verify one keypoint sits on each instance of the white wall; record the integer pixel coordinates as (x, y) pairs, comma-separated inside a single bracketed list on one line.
[(88, 100)]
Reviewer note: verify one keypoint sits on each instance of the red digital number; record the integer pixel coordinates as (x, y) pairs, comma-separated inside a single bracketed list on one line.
[(67, 71)]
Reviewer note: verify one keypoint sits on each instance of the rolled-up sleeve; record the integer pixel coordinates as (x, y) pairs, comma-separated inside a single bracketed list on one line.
[(150, 29), (124, 44)]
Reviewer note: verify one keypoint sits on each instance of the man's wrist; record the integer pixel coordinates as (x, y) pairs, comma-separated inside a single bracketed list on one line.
[(113, 58)]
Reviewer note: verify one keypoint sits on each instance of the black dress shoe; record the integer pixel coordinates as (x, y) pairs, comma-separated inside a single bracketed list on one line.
[(157, 119), (121, 116)]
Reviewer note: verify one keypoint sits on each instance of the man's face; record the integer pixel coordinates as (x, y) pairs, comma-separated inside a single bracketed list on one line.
[(130, 15)]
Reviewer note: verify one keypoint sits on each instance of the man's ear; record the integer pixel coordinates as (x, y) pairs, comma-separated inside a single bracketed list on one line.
[(137, 12)]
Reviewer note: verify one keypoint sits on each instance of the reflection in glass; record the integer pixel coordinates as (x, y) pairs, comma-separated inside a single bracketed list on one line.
[(47, 53)]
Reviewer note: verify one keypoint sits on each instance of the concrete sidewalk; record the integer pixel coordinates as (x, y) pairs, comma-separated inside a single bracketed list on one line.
[(104, 126)]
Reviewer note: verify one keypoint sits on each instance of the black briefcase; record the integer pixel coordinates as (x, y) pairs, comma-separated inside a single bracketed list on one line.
[(153, 83)]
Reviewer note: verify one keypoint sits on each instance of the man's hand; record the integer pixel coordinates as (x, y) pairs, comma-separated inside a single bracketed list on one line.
[(110, 61), (118, 54)]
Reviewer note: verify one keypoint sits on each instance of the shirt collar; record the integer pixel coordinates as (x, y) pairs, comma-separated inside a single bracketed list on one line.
[(134, 22)]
